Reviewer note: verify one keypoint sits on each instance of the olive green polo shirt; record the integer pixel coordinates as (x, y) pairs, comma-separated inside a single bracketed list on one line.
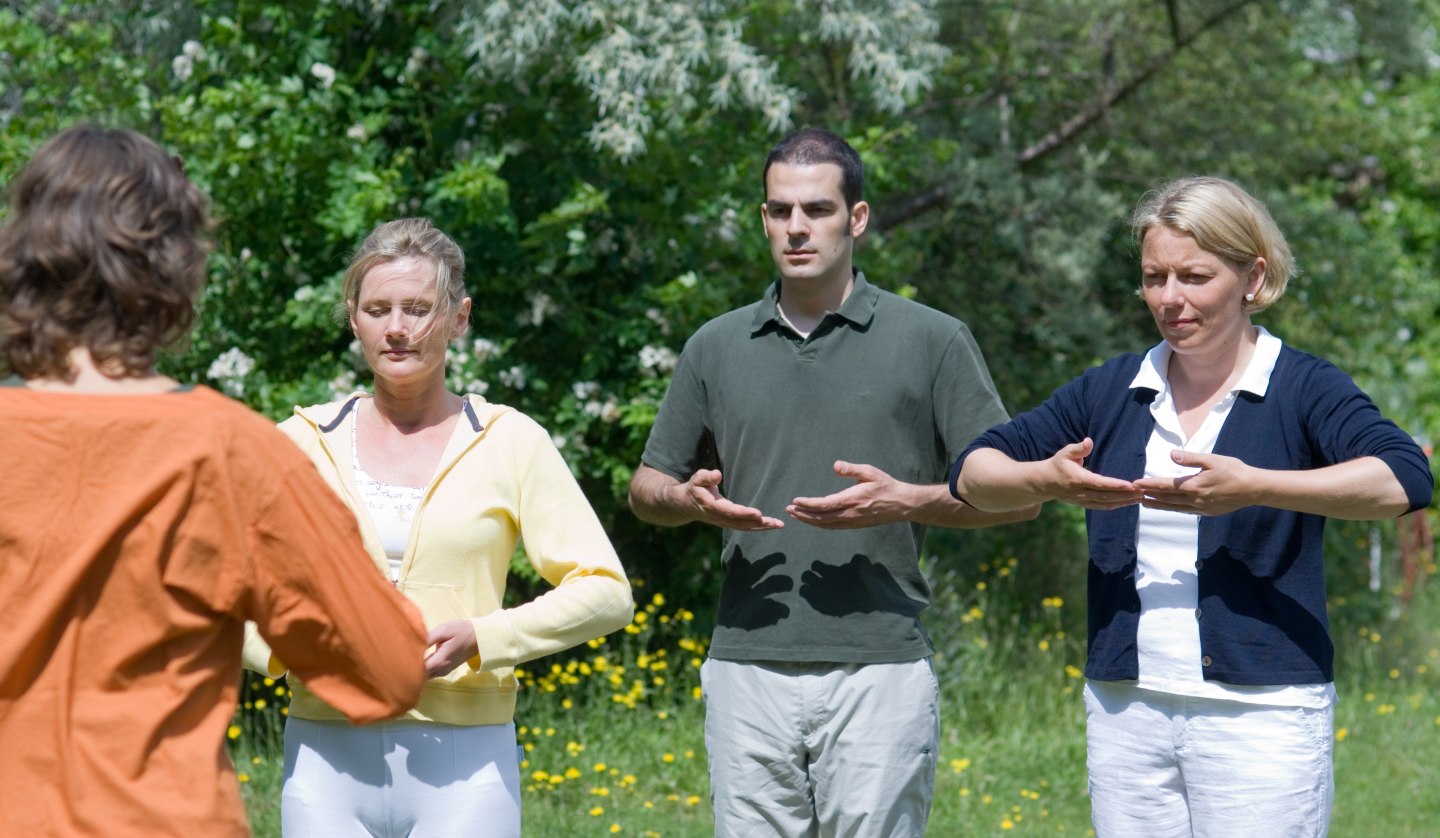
[(884, 381)]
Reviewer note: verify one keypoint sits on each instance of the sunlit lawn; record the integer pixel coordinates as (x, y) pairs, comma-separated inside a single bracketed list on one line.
[(614, 736)]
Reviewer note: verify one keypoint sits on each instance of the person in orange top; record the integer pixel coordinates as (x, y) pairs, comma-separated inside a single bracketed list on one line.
[(144, 522)]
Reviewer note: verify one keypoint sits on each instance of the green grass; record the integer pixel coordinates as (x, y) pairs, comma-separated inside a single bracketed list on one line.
[(615, 745)]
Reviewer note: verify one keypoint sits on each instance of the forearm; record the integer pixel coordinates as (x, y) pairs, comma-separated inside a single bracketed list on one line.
[(992, 481), (657, 498), (583, 608), (1364, 489), (933, 506)]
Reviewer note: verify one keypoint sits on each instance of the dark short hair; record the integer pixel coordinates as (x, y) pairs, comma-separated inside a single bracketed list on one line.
[(104, 249), (813, 146)]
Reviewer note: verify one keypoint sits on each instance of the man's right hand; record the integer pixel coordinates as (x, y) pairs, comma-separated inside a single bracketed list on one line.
[(702, 490), (658, 498)]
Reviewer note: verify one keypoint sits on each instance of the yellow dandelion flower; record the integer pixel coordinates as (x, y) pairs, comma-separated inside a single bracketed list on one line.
[(597, 811), (689, 754), (600, 791), (599, 767), (233, 732), (986, 799), (243, 777), (614, 827), (667, 758), (540, 776), (566, 704), (692, 800), (1394, 673), (959, 765), (965, 791), (1043, 645), (1343, 732), (658, 600), (1073, 671), (572, 773), (1007, 824)]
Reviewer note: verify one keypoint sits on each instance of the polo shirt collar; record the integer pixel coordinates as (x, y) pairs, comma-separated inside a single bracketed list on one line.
[(858, 308), (1152, 374)]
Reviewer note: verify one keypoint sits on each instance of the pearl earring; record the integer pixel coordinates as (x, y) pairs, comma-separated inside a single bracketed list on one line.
[(1249, 298)]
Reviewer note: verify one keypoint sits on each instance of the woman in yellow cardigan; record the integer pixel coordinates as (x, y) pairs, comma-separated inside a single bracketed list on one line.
[(443, 486)]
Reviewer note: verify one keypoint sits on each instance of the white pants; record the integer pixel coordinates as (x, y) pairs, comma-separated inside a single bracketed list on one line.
[(821, 749), (399, 780), (1170, 766)]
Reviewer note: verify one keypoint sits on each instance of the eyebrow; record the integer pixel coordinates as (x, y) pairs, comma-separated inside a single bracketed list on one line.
[(818, 203)]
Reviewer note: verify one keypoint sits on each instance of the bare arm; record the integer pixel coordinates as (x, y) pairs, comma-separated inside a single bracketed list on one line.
[(877, 498), (658, 498), (992, 480), (1363, 489)]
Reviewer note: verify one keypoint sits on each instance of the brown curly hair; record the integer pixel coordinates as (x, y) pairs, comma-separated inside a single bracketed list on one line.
[(104, 249)]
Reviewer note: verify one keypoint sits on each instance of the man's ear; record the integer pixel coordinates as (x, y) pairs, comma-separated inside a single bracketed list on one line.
[(859, 219)]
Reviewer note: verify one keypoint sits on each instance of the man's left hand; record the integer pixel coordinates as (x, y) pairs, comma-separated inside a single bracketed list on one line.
[(875, 499)]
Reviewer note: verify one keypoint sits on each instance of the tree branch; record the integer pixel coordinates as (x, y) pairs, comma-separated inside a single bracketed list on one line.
[(1083, 120), (934, 196)]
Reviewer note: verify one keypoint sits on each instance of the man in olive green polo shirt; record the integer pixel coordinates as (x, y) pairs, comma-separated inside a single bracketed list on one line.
[(839, 406)]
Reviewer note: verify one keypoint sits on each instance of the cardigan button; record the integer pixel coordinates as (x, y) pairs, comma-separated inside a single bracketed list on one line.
[(1198, 613), (1206, 661), (1199, 564)]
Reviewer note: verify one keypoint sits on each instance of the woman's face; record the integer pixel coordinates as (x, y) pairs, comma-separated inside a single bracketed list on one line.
[(393, 317), (1195, 296)]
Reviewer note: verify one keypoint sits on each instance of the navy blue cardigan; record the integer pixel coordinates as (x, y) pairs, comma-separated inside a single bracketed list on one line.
[(1262, 582)]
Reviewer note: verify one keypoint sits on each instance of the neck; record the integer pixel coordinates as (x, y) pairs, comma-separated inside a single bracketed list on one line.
[(807, 301), (1215, 371), (86, 376), (413, 407)]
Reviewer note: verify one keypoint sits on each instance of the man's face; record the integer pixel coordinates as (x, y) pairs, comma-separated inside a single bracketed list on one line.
[(811, 233)]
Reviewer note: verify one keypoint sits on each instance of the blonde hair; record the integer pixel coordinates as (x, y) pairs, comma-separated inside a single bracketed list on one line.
[(415, 238), (1224, 220)]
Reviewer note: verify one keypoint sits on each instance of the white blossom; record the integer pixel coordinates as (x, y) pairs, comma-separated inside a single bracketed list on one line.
[(357, 132), (324, 72), (484, 350), (513, 378), (182, 66), (229, 371), (541, 307), (657, 359), (344, 384), (584, 389)]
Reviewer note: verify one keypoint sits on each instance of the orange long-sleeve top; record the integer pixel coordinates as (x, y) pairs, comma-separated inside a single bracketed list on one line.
[(138, 533)]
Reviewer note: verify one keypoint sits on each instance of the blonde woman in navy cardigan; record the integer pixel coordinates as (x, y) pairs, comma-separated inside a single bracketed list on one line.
[(1208, 467)]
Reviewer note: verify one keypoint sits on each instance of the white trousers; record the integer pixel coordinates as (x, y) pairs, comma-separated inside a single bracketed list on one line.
[(821, 749), (399, 780), (1170, 766)]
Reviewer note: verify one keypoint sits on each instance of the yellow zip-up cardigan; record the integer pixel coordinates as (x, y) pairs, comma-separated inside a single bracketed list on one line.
[(500, 480)]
